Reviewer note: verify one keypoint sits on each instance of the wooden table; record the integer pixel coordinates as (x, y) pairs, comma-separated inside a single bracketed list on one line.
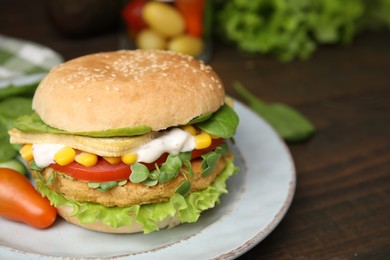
[(341, 208)]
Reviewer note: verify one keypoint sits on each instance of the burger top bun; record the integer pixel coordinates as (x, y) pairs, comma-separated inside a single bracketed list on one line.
[(119, 89)]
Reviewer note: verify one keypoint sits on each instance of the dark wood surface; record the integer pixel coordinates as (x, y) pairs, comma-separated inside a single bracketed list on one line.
[(341, 208)]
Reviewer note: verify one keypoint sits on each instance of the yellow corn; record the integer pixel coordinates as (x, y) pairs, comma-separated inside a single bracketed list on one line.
[(65, 156), (86, 159), (129, 158), (112, 160), (202, 140), (190, 129), (26, 152)]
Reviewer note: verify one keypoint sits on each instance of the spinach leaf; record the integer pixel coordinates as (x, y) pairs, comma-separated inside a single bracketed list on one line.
[(289, 123), (7, 151), (10, 109), (200, 118), (15, 107), (222, 123), (13, 90)]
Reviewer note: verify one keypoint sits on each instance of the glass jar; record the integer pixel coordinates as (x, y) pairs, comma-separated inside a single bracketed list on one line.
[(182, 26)]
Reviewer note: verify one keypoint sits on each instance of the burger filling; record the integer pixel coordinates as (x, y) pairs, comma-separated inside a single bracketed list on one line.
[(171, 151), (148, 161)]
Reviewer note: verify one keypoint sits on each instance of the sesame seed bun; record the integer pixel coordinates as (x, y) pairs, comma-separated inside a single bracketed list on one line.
[(119, 89)]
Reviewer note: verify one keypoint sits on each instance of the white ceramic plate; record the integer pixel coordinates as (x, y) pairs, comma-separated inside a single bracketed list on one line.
[(258, 199)]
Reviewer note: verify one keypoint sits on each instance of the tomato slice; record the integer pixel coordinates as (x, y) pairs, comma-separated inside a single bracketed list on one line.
[(103, 171)]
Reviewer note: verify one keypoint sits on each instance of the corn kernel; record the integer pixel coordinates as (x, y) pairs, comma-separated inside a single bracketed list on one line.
[(26, 152), (202, 140), (129, 158), (112, 160), (86, 159), (65, 156), (190, 129)]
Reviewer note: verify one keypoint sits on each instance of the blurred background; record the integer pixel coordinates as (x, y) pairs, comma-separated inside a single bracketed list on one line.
[(284, 29)]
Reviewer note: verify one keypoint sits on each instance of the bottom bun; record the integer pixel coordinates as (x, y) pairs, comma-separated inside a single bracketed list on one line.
[(66, 211)]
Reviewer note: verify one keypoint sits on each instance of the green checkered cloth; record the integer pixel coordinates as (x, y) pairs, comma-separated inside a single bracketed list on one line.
[(23, 64), (20, 58)]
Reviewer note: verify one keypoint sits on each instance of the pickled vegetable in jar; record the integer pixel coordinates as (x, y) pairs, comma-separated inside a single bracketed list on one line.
[(182, 26)]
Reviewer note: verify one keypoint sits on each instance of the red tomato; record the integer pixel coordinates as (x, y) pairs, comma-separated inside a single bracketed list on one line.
[(132, 14), (103, 171), (192, 11), (20, 201)]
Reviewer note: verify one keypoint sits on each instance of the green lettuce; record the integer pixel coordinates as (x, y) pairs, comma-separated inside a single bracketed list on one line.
[(290, 29), (186, 208)]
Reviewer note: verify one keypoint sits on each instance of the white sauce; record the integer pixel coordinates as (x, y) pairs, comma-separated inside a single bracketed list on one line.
[(172, 142), (44, 153)]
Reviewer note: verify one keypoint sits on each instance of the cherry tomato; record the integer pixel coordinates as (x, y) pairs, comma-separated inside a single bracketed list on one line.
[(20, 201), (132, 14), (192, 11), (103, 171)]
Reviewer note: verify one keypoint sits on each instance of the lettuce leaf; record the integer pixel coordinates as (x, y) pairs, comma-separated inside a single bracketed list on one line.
[(290, 29), (186, 208)]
